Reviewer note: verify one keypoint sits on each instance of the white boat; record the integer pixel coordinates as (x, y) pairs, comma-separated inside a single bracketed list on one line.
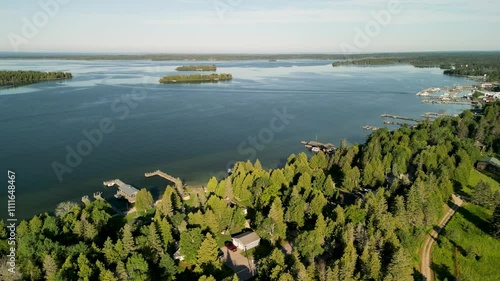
[(315, 149)]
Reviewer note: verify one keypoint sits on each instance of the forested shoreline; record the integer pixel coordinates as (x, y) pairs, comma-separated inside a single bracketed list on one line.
[(197, 68), (360, 214), (195, 78), (21, 77)]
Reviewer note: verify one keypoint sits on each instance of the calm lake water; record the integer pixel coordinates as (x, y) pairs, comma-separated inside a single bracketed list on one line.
[(190, 131)]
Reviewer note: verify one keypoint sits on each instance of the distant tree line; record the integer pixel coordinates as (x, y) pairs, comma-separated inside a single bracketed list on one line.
[(197, 68), (20, 77), (195, 78), (359, 214), (463, 64)]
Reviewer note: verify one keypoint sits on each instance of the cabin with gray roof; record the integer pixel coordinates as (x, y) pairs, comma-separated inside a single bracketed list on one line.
[(246, 241)]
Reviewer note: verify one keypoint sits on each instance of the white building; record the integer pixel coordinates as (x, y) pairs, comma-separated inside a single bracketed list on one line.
[(246, 241)]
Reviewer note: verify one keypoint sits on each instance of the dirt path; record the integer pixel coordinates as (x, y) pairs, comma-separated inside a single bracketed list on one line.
[(425, 266)]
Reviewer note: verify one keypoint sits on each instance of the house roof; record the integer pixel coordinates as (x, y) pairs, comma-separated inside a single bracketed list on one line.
[(128, 189), (247, 237), (492, 161)]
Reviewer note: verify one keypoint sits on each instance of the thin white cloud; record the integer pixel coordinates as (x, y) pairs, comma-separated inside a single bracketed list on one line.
[(297, 16)]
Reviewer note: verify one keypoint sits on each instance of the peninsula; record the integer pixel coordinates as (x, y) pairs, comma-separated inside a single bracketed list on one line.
[(196, 78), (197, 68), (21, 77)]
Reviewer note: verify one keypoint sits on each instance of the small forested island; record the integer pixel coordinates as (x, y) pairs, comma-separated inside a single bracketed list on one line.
[(21, 77), (197, 68), (361, 213), (195, 78)]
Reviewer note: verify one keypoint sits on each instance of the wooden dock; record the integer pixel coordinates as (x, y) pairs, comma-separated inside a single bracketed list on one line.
[(400, 124), (399, 117), (447, 102), (370, 128), (179, 186)]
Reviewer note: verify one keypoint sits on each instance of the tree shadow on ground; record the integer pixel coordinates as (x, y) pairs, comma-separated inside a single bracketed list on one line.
[(474, 219), (441, 272), (417, 275)]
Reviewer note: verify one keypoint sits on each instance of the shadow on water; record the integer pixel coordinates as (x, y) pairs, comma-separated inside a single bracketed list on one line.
[(474, 219), (441, 272)]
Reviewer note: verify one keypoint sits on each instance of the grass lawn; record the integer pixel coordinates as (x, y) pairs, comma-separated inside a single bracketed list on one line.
[(478, 252), (475, 177)]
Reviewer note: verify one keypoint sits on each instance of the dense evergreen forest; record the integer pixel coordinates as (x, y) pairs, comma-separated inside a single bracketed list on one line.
[(195, 78), (19, 77), (463, 64), (197, 68), (360, 214)]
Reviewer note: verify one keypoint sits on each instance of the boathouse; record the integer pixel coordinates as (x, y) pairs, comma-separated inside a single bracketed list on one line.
[(127, 191)]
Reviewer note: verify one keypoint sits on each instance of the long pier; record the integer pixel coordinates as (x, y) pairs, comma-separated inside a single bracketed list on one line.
[(447, 102), (179, 186), (400, 124), (399, 117)]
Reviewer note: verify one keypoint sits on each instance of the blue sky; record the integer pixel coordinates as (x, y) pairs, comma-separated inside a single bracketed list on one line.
[(248, 26)]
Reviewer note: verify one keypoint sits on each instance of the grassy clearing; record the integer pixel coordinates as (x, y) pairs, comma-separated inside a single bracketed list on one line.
[(478, 252), (475, 177)]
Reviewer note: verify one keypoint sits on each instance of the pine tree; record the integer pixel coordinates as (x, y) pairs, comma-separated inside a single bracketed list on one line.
[(143, 200), (164, 207), (137, 267), (495, 222), (84, 269), (128, 239), (121, 272), (168, 266), (190, 243), (207, 255), (276, 216), (154, 242), (165, 230), (212, 185), (49, 267), (400, 267), (329, 187)]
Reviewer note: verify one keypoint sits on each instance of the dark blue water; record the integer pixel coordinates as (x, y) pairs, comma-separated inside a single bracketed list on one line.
[(191, 131)]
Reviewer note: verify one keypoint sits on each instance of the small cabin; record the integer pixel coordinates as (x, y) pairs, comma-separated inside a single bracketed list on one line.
[(246, 240)]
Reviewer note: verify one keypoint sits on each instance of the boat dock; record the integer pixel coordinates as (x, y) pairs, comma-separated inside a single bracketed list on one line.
[(447, 102), (399, 117), (370, 128), (316, 146), (400, 124), (436, 115), (179, 186)]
